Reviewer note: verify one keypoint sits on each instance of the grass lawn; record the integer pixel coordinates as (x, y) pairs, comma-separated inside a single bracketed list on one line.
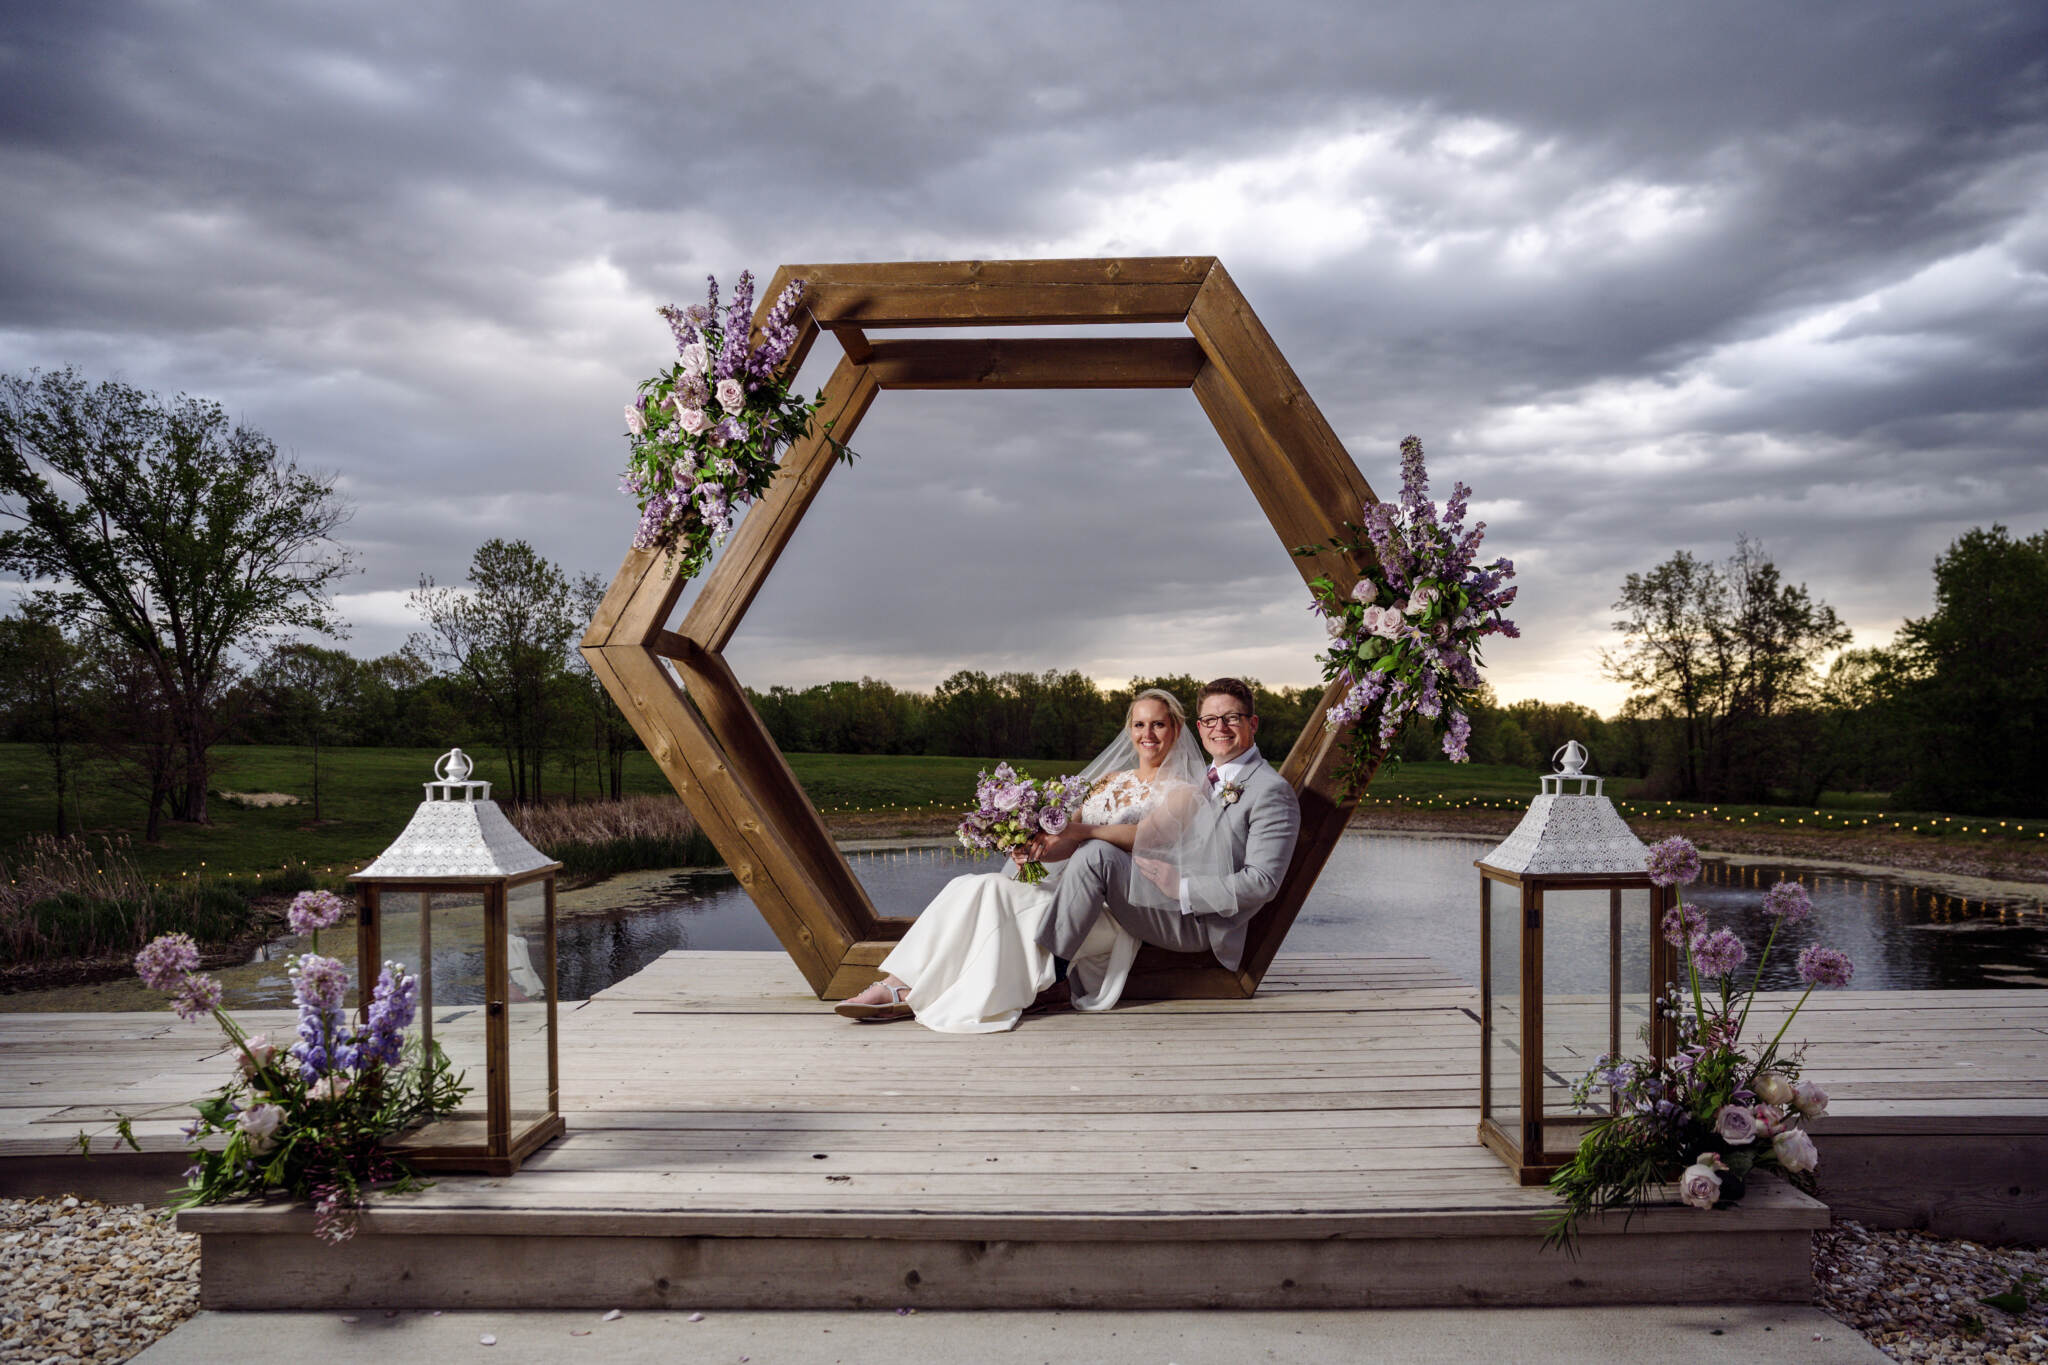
[(369, 794)]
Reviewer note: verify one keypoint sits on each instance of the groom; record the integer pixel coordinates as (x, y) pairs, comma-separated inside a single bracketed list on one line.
[(1260, 816)]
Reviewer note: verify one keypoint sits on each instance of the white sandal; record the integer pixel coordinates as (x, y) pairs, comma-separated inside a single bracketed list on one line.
[(897, 1007)]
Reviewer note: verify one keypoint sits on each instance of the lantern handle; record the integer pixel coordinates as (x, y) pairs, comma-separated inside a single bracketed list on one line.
[(1570, 759)]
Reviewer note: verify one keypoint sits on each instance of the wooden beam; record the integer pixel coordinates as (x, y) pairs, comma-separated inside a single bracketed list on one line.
[(1037, 363), (829, 889), (1003, 293), (726, 807), (743, 566)]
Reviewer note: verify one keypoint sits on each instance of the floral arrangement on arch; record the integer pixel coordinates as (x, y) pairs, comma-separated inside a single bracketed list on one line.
[(310, 1118), (707, 433), (1404, 641), (1719, 1109)]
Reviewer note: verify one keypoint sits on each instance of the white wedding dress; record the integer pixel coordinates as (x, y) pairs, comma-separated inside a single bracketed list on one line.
[(972, 959)]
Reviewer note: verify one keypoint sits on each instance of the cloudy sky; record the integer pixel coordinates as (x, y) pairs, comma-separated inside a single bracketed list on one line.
[(1646, 276)]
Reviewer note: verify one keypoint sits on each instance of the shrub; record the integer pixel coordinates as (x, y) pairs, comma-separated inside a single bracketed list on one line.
[(69, 898), (599, 838)]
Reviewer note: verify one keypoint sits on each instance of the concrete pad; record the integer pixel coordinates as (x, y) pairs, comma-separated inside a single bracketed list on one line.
[(1710, 1336)]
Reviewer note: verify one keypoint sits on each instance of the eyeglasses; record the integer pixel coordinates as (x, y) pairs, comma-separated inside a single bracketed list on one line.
[(1229, 720)]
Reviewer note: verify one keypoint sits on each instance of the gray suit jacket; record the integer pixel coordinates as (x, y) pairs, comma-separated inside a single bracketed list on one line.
[(1263, 825)]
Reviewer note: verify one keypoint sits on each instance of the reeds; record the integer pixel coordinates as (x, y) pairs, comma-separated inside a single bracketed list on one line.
[(79, 898), (599, 838)]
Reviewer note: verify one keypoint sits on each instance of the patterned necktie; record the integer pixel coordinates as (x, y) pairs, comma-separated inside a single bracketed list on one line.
[(1213, 778)]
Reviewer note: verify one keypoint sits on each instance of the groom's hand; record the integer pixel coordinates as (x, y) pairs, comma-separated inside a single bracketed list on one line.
[(1054, 847), (1165, 876)]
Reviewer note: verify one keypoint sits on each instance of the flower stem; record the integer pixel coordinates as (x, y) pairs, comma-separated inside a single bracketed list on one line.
[(1771, 1051), (1757, 980)]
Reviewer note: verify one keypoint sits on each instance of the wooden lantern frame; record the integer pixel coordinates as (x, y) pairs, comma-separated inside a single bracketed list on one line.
[(502, 1151), (689, 708), (1525, 1149)]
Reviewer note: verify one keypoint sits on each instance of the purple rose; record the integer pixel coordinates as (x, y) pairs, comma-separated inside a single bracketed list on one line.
[(1053, 819), (1736, 1125), (1795, 1150), (1699, 1186)]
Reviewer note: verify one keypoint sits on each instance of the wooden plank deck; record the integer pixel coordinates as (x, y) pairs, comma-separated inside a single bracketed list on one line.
[(733, 1142)]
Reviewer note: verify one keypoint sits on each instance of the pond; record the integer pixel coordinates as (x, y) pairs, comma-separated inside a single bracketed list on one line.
[(1413, 895)]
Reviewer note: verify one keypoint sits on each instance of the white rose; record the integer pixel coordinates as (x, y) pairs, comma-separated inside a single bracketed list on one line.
[(259, 1125), (1772, 1088), (1699, 1187), (731, 396), (1809, 1099), (259, 1052), (696, 359), (1371, 620), (1795, 1150), (1420, 601), (1367, 591), (692, 420), (635, 423), (1390, 622), (1336, 626)]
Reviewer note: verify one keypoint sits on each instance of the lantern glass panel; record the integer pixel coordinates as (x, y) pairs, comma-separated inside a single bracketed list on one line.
[(444, 948), (1577, 974), (526, 1008), (1504, 1041), (1635, 993)]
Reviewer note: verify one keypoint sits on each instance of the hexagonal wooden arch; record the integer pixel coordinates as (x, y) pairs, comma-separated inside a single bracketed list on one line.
[(696, 720)]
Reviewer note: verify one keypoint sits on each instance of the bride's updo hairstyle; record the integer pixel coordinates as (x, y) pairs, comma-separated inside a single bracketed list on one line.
[(1162, 696)]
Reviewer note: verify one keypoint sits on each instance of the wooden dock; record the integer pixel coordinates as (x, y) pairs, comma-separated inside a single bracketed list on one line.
[(732, 1143)]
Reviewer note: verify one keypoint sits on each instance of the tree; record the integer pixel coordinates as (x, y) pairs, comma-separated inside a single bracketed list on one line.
[(1729, 652), (507, 637), (43, 673), (182, 536), (134, 729), (1971, 690), (612, 735), (311, 691)]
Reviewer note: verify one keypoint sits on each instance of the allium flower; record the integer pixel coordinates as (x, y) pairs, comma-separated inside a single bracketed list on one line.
[(319, 982), (1820, 966), (1795, 1150), (312, 911), (197, 997), (165, 960), (1788, 901), (1683, 923), (1735, 1125), (259, 1123), (1718, 953), (1675, 862)]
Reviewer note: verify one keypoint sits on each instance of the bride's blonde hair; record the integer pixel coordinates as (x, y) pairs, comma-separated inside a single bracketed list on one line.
[(1161, 695)]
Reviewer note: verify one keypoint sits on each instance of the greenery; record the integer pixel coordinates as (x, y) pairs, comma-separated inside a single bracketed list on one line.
[(178, 541)]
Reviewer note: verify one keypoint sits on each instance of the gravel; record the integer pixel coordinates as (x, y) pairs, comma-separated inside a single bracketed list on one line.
[(82, 1280), (1917, 1297)]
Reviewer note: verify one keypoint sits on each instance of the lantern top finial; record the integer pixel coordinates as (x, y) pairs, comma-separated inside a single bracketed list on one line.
[(451, 779), (1570, 760)]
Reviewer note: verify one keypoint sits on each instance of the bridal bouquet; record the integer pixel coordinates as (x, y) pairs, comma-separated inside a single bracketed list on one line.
[(1404, 642), (1011, 810), (706, 433), (1719, 1109), (308, 1119)]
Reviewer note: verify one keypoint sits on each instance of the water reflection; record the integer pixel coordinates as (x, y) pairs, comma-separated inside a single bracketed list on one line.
[(1418, 896)]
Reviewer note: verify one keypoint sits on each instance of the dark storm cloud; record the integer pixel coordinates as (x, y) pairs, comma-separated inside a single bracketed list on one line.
[(1648, 276)]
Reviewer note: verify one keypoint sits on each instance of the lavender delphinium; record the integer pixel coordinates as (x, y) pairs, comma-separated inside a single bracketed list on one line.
[(312, 1129), (1405, 638), (717, 418), (1718, 1108)]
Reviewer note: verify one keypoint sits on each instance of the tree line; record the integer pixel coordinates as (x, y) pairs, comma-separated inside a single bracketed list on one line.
[(187, 563)]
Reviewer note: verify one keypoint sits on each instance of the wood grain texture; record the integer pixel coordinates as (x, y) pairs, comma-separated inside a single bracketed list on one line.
[(1051, 363)]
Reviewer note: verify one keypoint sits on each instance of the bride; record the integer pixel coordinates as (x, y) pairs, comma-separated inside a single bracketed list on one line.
[(971, 962)]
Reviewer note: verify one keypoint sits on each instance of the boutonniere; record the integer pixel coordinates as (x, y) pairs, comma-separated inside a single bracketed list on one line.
[(1228, 792)]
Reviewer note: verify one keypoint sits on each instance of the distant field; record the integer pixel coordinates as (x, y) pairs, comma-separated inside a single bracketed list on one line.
[(370, 793)]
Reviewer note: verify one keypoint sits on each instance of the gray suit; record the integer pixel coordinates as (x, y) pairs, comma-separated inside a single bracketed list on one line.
[(1262, 823)]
